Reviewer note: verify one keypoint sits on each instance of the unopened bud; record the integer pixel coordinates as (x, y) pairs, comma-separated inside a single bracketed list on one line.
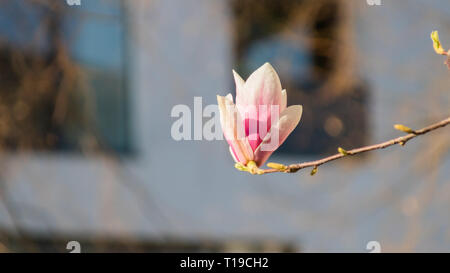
[(342, 151), (437, 43), (240, 166), (403, 128), (277, 166)]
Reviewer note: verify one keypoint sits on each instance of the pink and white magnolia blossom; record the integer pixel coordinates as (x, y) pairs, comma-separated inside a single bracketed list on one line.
[(259, 122)]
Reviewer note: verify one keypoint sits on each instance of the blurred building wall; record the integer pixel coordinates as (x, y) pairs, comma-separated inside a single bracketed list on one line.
[(398, 197)]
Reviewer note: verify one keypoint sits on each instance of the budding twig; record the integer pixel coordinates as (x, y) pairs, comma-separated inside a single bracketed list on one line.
[(343, 153), (439, 49)]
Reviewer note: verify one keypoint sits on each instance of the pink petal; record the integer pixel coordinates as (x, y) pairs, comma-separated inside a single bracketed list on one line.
[(258, 121), (289, 119), (233, 129), (263, 88)]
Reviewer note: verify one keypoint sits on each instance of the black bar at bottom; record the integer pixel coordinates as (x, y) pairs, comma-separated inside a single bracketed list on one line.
[(221, 262)]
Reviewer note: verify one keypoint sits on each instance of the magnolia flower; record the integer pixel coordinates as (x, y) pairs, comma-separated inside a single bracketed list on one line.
[(259, 122)]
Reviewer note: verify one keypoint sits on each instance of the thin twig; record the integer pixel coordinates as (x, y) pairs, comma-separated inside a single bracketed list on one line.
[(399, 140)]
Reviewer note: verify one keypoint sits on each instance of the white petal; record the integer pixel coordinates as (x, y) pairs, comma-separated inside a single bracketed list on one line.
[(233, 129), (241, 100), (283, 103), (263, 87), (232, 154), (229, 97), (239, 82)]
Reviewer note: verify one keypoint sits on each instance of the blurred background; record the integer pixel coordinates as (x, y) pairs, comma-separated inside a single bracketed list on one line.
[(86, 93)]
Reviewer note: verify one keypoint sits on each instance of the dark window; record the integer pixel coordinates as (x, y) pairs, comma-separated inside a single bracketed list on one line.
[(62, 72), (307, 43)]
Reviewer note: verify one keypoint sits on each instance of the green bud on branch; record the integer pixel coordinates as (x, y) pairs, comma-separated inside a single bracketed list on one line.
[(437, 43), (240, 167), (276, 166), (342, 151), (404, 128)]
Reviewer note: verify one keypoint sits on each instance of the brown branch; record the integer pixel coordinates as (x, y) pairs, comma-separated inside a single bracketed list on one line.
[(399, 140)]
